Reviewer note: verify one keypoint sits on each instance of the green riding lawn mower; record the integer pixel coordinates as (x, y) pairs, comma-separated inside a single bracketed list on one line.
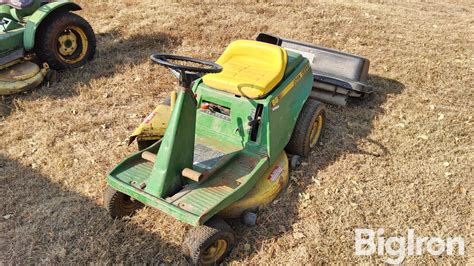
[(217, 147), (38, 37)]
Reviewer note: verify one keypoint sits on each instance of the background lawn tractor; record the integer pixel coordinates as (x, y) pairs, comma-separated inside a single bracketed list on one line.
[(223, 151), (37, 35)]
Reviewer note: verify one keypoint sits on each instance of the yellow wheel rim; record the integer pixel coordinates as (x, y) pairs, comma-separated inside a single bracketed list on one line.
[(67, 43), (72, 45), (316, 130), (214, 252)]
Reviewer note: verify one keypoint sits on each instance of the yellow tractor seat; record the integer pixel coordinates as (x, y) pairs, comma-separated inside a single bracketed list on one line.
[(250, 69)]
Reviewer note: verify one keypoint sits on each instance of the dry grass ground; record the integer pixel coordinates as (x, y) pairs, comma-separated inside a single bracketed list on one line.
[(403, 158)]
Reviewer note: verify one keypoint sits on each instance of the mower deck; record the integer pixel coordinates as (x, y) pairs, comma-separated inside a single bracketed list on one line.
[(229, 169), (21, 77)]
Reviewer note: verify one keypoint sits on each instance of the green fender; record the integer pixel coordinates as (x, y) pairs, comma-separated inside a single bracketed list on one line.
[(5, 12), (35, 20)]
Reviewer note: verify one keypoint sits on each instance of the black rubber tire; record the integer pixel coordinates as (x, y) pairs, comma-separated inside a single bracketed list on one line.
[(300, 140), (46, 41), (200, 238), (118, 204)]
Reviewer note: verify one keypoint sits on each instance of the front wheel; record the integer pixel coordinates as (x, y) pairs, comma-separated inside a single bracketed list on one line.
[(209, 244), (118, 204), (65, 41)]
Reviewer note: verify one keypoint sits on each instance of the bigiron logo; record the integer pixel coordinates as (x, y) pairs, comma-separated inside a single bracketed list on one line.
[(368, 243)]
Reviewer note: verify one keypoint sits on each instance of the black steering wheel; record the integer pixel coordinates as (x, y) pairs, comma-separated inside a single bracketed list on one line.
[(208, 67), (163, 59)]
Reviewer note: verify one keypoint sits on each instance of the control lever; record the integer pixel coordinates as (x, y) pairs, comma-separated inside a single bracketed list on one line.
[(254, 122)]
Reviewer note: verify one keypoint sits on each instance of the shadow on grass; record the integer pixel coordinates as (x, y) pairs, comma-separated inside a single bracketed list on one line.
[(38, 225), (345, 128), (113, 51)]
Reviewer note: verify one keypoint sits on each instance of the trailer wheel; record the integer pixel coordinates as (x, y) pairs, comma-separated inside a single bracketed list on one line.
[(118, 204), (65, 41), (308, 129), (209, 244)]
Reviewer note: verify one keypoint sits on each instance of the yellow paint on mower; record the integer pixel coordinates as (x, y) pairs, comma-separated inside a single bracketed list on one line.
[(214, 252), (154, 125), (21, 77), (265, 191), (69, 42)]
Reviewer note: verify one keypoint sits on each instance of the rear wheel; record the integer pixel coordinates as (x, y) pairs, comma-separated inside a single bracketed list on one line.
[(308, 129), (118, 204), (209, 244), (65, 41)]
